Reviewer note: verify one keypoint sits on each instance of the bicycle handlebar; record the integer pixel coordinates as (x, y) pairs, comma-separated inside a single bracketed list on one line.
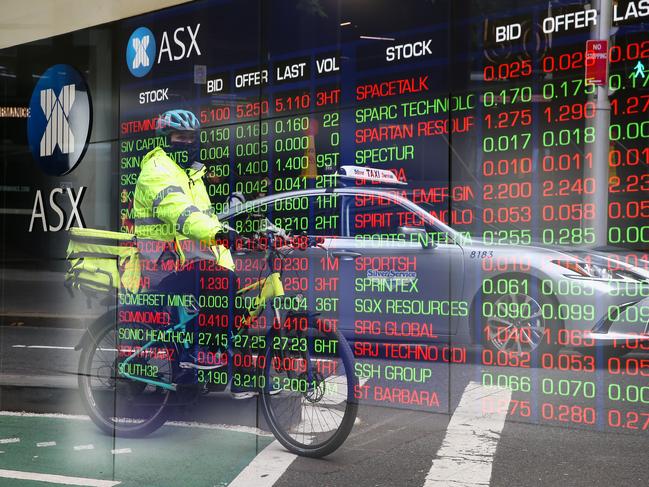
[(274, 238)]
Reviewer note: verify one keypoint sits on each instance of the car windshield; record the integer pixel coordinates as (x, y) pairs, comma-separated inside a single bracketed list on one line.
[(432, 209), (426, 211)]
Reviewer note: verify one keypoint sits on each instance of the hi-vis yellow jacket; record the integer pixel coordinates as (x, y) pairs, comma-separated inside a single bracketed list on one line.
[(172, 204)]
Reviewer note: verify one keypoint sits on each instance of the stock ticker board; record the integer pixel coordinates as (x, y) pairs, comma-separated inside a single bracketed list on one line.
[(488, 112)]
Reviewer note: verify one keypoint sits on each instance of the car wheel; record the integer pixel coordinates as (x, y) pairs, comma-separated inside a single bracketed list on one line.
[(514, 323)]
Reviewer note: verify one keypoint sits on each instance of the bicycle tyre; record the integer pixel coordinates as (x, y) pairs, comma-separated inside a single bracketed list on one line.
[(105, 325), (327, 447)]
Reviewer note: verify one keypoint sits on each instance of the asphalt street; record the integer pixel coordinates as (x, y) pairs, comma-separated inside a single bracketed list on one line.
[(476, 434)]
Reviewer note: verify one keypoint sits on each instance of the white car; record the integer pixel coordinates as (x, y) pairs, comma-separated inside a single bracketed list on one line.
[(388, 270)]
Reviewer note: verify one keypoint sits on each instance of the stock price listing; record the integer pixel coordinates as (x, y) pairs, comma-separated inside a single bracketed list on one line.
[(511, 238)]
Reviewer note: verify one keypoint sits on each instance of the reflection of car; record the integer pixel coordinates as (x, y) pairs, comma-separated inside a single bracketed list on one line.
[(389, 271)]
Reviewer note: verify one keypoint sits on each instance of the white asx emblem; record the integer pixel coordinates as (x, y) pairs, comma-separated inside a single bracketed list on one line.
[(57, 112), (139, 46)]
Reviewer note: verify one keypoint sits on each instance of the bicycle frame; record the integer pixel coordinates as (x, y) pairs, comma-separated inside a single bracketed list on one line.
[(271, 287), (185, 318)]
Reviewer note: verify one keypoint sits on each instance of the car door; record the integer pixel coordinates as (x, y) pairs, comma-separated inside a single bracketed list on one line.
[(401, 278)]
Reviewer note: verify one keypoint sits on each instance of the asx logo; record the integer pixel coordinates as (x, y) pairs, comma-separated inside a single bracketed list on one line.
[(59, 124), (58, 131), (141, 48), (57, 110), (140, 52)]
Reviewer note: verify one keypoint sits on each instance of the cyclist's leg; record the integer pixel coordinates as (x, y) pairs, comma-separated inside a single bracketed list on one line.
[(182, 287)]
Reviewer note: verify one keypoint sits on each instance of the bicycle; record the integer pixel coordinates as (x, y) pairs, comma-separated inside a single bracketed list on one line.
[(304, 376)]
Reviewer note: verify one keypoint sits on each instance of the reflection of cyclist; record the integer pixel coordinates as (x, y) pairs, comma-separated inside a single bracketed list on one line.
[(171, 205), (171, 201)]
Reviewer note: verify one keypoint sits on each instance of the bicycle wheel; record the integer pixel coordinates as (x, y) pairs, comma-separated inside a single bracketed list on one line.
[(117, 404), (314, 411)]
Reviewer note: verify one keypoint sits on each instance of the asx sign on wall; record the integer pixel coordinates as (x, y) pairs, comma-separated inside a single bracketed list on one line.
[(141, 48), (60, 118), (58, 131)]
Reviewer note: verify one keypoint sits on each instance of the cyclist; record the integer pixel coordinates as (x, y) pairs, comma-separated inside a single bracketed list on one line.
[(171, 205), (171, 201)]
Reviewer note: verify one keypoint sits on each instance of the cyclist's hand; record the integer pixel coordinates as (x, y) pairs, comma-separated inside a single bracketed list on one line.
[(252, 243), (224, 232)]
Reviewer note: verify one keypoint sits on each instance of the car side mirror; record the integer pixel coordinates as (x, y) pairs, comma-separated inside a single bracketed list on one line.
[(419, 234)]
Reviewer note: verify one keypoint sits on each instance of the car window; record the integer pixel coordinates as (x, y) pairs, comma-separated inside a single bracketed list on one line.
[(326, 218), (317, 214), (370, 214)]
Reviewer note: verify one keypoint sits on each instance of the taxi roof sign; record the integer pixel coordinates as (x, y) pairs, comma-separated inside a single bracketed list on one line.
[(370, 175)]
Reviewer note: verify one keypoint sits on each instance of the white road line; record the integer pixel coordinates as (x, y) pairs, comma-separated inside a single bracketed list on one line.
[(45, 415), (266, 468), (466, 456), (5, 441), (226, 427), (56, 479), (121, 451), (84, 447), (312, 415), (44, 444), (49, 347), (180, 424)]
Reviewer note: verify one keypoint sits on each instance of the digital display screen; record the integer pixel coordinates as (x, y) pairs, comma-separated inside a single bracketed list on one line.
[(410, 236), (520, 135)]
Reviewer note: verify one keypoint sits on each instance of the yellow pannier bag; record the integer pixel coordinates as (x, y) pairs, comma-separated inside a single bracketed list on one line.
[(99, 260)]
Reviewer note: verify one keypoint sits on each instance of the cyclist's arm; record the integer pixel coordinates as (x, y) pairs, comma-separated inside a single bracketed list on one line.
[(173, 206)]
